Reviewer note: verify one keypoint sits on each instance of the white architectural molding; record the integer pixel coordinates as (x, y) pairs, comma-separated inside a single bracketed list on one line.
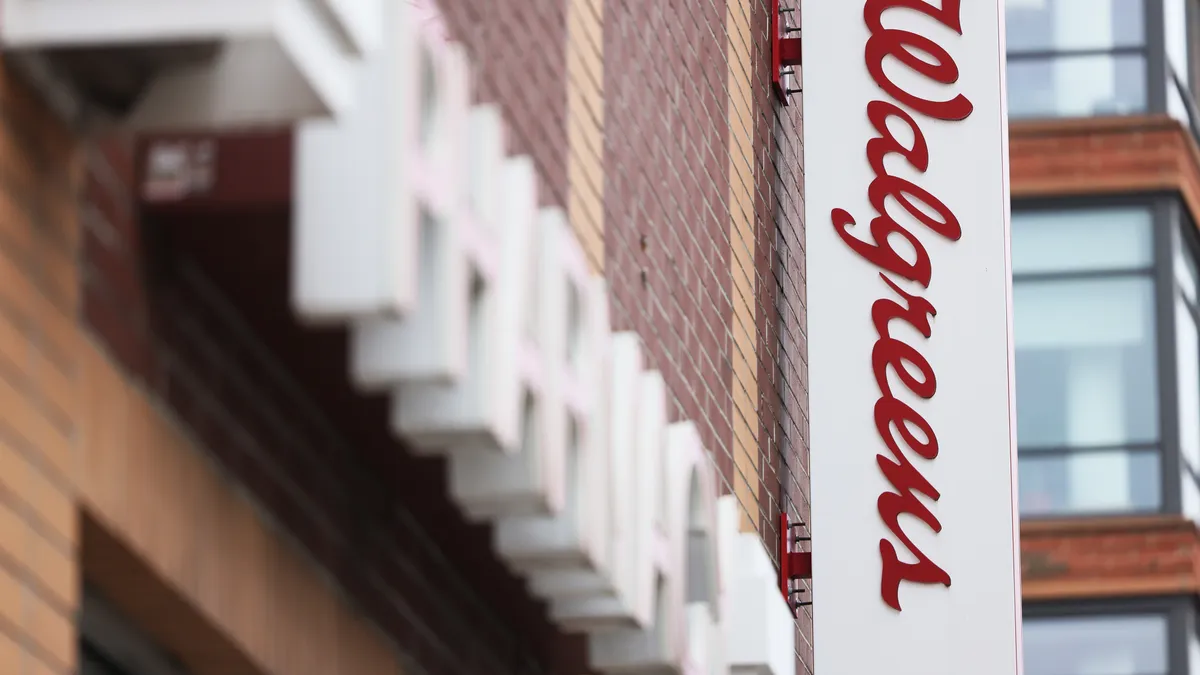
[(759, 632), (573, 541), (583, 607), (430, 345), (272, 62), (369, 267), (482, 410), (686, 592), (497, 349), (532, 481)]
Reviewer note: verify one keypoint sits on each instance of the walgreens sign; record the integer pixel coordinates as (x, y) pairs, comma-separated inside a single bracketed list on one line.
[(909, 306)]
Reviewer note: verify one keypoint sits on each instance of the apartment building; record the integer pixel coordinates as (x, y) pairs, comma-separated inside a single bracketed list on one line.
[(214, 461), (1103, 128), (370, 337)]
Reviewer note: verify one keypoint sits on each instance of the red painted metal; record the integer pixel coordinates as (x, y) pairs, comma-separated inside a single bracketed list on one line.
[(789, 51), (793, 565), (785, 52), (785, 574)]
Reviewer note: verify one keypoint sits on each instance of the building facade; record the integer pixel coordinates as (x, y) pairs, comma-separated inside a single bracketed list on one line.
[(203, 472), (1103, 148), (230, 448)]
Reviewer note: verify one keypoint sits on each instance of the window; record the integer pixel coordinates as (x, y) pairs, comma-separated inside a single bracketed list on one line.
[(1096, 645), (1076, 58), (1187, 357), (94, 661), (1086, 362), (1177, 27), (110, 645)]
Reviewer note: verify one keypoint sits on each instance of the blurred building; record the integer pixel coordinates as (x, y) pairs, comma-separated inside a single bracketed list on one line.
[(313, 314), (213, 459), (1103, 128)]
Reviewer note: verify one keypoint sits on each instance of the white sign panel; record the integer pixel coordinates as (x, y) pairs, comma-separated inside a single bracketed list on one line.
[(909, 323)]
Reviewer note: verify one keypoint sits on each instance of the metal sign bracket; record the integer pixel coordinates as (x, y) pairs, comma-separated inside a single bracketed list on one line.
[(785, 52), (793, 565)]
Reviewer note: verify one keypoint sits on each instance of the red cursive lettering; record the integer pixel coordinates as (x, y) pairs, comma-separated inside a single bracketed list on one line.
[(898, 424)]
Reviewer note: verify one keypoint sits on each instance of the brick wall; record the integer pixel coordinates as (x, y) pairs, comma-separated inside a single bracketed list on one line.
[(1104, 156), (192, 302), (788, 377), (39, 533), (95, 482), (169, 539), (518, 52), (1136, 556), (658, 136), (667, 230)]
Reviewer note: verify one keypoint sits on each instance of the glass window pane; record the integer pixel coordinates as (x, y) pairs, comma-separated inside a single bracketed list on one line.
[(1190, 496), (1077, 86), (1096, 645), (1175, 23), (1104, 481), (1061, 25), (1187, 345), (1081, 239), (1085, 370), (1185, 269), (1176, 106), (1194, 654)]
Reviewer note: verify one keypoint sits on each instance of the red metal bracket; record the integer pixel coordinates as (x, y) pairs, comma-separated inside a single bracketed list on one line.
[(793, 565), (785, 52)]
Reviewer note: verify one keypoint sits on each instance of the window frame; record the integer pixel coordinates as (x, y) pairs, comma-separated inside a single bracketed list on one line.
[(1153, 51), (1165, 213), (116, 642), (1179, 612), (1153, 60), (1189, 241), (1164, 72)]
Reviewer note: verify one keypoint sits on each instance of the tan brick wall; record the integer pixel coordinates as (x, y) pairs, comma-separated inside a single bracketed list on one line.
[(95, 482), (743, 272), (155, 504), (39, 589), (585, 125)]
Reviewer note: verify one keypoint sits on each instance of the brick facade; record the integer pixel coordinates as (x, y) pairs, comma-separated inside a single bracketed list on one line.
[(1124, 556), (1118, 557), (39, 344), (170, 540), (651, 194), (208, 331), (667, 231), (96, 483), (151, 353), (161, 357), (1104, 156), (517, 49)]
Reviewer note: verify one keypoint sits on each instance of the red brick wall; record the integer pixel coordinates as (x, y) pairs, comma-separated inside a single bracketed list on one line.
[(1155, 555), (518, 52), (666, 211), (790, 381), (1104, 156)]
